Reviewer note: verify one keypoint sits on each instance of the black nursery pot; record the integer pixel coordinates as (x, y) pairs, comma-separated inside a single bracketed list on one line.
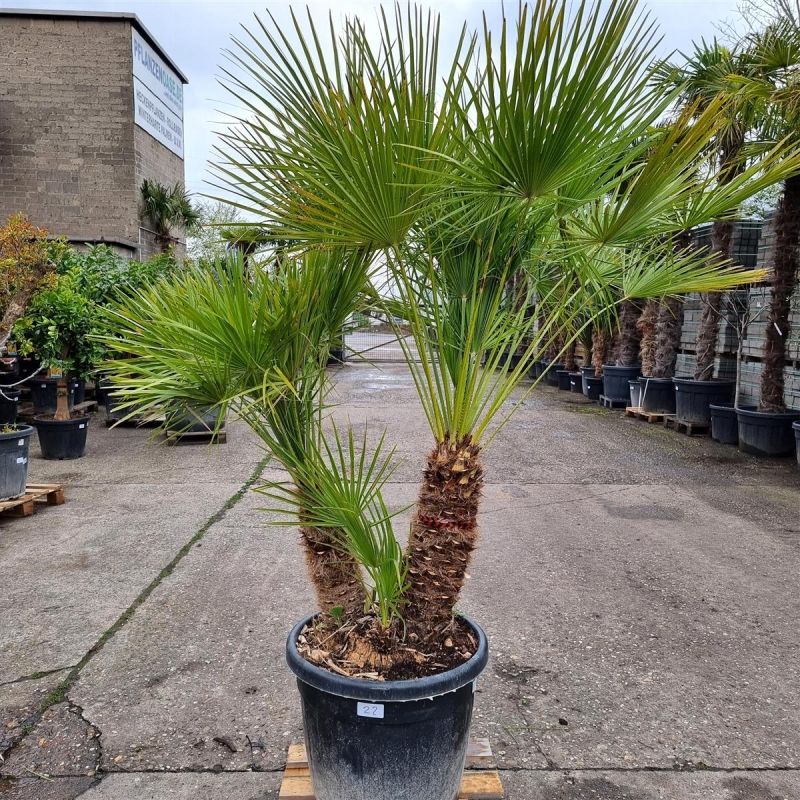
[(77, 388), (586, 372), (767, 433), (44, 393), (693, 399), (193, 420), (594, 387), (9, 402), (373, 740), (550, 372), (14, 447), (615, 381), (62, 439), (796, 429), (563, 379), (576, 382), (657, 395), (724, 423)]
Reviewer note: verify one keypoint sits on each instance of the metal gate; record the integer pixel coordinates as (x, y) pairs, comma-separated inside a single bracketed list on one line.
[(369, 338)]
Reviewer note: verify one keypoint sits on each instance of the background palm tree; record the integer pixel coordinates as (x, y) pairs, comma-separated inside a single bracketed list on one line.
[(167, 208)]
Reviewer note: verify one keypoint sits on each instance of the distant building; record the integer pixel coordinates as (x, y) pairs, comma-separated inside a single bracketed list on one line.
[(90, 106)]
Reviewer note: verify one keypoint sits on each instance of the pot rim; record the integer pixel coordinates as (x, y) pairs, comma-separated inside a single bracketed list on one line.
[(22, 430), (629, 367), (56, 422), (712, 382), (386, 691), (789, 414)]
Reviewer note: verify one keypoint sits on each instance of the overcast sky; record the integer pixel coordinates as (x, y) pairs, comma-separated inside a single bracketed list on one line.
[(194, 33)]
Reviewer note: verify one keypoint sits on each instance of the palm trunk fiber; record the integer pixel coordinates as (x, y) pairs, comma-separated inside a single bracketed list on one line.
[(569, 357), (629, 338), (784, 281), (334, 574), (668, 337), (443, 535), (601, 341), (646, 325), (721, 242)]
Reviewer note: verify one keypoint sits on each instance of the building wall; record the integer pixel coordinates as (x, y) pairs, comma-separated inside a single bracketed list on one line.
[(66, 125), (156, 162)]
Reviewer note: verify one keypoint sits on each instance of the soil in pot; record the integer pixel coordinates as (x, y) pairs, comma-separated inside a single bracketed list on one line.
[(796, 429), (576, 382), (615, 381), (44, 394), (635, 391), (724, 423), (14, 447), (9, 403), (767, 433), (657, 395), (366, 738), (594, 387), (62, 439), (563, 379), (693, 399)]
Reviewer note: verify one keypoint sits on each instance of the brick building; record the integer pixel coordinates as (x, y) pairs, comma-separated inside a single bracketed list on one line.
[(90, 106)]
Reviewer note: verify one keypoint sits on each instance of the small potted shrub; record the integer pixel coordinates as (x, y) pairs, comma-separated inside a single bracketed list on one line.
[(416, 187), (59, 326)]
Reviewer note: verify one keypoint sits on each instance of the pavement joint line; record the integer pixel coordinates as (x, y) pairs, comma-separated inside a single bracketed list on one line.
[(59, 694), (35, 676)]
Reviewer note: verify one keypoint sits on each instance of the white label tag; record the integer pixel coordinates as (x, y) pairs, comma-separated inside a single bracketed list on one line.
[(81, 426), (21, 443), (21, 460), (371, 710)]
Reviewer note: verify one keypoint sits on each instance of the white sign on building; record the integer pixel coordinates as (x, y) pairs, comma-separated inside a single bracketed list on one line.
[(157, 96)]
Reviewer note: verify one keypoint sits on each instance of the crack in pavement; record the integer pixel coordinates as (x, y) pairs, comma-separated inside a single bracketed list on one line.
[(35, 676), (59, 694)]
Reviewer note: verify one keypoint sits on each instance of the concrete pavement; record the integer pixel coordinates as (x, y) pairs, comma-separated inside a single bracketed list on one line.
[(639, 590)]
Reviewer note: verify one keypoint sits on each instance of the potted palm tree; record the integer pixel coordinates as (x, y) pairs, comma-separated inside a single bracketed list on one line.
[(167, 208), (423, 204)]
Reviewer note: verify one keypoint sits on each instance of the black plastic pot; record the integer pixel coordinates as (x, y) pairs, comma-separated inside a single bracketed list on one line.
[(635, 392), (550, 372), (576, 382), (657, 395), (594, 387), (724, 423), (615, 381), (586, 372), (766, 433), (9, 402), (335, 356), (44, 393), (693, 399), (14, 447), (77, 387), (563, 379), (62, 439), (372, 740), (27, 366), (193, 420), (796, 429)]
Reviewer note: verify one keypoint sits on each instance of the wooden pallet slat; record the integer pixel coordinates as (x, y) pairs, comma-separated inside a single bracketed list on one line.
[(173, 438), (651, 417), (480, 780), (612, 402), (689, 428), (51, 494)]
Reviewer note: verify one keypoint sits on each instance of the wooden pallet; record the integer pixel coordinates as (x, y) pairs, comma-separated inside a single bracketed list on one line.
[(51, 494), (480, 782), (173, 438), (612, 402), (648, 416), (85, 407), (689, 428)]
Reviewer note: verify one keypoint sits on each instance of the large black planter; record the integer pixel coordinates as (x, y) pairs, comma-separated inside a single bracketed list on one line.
[(189, 420), (550, 373), (635, 392), (586, 372), (44, 393), (576, 382), (657, 395), (77, 387), (594, 387), (14, 447), (766, 433), (9, 402), (693, 399), (615, 381), (796, 429), (724, 423), (537, 369), (62, 439), (563, 379), (372, 740)]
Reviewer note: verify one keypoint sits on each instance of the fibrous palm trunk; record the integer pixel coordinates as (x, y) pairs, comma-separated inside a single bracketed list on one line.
[(334, 574), (569, 357), (668, 337), (601, 342), (784, 281), (444, 532), (721, 242), (629, 338), (646, 325)]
